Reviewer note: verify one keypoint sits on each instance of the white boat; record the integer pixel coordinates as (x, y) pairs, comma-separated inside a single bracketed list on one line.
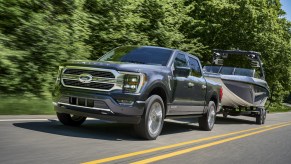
[(243, 81)]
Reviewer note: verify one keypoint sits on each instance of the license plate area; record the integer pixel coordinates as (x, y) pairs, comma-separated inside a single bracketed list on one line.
[(86, 102), (81, 101)]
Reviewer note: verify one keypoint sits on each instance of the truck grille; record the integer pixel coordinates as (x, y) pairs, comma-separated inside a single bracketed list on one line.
[(92, 85), (99, 79), (91, 72)]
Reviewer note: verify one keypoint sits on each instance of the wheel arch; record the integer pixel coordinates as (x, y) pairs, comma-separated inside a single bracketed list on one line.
[(215, 99), (160, 90)]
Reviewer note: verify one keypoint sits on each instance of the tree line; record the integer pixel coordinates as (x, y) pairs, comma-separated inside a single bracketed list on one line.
[(37, 36)]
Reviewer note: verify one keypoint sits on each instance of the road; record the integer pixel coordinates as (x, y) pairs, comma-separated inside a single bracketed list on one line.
[(42, 139)]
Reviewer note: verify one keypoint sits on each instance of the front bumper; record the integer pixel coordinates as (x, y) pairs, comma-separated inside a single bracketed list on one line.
[(105, 106)]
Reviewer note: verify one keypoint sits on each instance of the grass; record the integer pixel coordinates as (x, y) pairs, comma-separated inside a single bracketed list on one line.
[(29, 106), (275, 108)]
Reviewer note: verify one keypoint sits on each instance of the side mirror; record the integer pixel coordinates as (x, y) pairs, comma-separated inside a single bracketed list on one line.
[(182, 71)]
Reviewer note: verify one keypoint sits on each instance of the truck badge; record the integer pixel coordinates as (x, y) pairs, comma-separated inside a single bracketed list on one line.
[(85, 78)]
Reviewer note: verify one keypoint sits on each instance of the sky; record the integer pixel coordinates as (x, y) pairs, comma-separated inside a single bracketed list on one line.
[(286, 6)]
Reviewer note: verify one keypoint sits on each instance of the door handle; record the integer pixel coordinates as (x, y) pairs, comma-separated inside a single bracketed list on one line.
[(203, 86), (190, 84)]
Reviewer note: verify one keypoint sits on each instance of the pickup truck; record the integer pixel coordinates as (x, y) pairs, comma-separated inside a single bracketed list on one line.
[(140, 85)]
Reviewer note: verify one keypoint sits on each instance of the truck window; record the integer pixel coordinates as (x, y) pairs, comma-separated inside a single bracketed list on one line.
[(180, 61), (195, 67)]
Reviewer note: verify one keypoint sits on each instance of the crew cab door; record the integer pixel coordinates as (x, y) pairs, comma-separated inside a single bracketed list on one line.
[(185, 100), (198, 91)]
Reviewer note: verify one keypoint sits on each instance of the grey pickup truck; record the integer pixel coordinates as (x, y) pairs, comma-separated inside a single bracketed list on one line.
[(140, 85)]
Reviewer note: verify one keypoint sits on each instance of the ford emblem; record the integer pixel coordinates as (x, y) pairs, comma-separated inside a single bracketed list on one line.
[(85, 78)]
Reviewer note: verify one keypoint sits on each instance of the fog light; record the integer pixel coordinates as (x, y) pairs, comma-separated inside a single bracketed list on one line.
[(125, 102)]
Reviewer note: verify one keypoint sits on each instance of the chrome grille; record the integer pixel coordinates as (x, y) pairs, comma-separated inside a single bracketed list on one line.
[(91, 72), (92, 85), (102, 79)]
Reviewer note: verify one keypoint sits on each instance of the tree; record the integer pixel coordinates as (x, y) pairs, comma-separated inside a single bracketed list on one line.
[(246, 25), (9, 67), (37, 36), (50, 32)]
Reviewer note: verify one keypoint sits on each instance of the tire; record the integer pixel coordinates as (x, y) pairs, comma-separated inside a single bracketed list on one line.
[(152, 121), (70, 120), (224, 114), (261, 117), (264, 116), (206, 122)]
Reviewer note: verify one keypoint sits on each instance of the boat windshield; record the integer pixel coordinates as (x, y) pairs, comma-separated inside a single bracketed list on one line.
[(241, 63), (244, 72), (140, 55), (231, 71), (211, 69)]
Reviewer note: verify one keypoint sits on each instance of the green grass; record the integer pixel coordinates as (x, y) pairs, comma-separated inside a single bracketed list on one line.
[(275, 108), (20, 106)]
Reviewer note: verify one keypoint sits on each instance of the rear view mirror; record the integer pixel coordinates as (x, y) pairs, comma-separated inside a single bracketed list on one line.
[(182, 71)]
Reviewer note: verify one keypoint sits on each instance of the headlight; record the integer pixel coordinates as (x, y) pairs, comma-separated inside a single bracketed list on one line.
[(133, 82)]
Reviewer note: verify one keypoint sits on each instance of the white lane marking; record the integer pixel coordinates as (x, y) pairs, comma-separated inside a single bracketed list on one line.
[(34, 119), (23, 119)]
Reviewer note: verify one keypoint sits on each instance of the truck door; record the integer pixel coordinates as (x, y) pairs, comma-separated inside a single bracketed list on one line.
[(183, 102), (198, 91)]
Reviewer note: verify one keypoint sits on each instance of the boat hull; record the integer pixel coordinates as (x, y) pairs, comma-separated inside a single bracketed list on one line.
[(241, 91)]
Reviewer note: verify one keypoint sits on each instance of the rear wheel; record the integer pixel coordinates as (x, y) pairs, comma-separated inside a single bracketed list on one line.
[(70, 120), (206, 122), (152, 121)]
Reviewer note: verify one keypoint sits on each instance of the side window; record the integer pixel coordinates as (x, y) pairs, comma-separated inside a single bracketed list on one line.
[(180, 61), (195, 67)]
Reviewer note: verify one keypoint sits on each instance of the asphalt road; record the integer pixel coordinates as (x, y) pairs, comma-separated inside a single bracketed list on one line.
[(42, 139)]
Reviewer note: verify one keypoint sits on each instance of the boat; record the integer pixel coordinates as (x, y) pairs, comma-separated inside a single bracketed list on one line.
[(242, 77)]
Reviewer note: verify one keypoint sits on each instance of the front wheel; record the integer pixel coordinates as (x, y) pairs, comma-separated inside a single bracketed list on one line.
[(70, 120), (206, 122), (152, 121)]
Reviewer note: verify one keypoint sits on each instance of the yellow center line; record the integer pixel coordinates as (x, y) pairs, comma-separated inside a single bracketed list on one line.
[(103, 160), (184, 151)]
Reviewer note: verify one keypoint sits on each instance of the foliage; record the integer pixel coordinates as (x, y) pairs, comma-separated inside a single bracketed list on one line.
[(49, 32), (37, 36), (278, 107)]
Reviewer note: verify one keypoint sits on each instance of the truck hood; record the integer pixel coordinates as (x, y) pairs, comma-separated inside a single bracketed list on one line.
[(119, 66)]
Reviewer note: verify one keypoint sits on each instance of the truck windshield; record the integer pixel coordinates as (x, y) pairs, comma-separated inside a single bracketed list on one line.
[(140, 55)]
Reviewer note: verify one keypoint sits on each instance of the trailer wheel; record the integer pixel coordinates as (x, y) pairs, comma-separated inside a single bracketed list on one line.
[(224, 114), (264, 116), (261, 116)]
